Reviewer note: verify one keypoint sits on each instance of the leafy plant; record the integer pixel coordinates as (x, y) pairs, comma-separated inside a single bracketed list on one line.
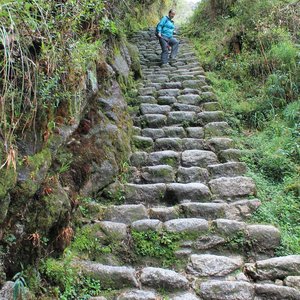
[(19, 286), (161, 245)]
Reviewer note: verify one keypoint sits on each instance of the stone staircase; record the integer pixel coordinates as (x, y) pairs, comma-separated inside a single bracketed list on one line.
[(186, 183)]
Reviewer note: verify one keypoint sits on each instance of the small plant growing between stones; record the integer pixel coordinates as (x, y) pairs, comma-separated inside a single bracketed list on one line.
[(161, 245), (19, 287)]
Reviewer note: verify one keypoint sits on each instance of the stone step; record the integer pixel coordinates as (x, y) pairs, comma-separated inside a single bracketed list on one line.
[(190, 99), (210, 106), (232, 187), (232, 212), (229, 169), (208, 265), (158, 173), (206, 117), (217, 129), (119, 277), (164, 167), (194, 236), (154, 109), (154, 120), (242, 290), (178, 144), (172, 193), (277, 268), (185, 107), (180, 117), (167, 131)]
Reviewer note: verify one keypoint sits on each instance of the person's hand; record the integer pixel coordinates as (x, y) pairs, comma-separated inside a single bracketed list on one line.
[(159, 34)]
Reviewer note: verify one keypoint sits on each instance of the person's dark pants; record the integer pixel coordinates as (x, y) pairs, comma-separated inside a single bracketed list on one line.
[(173, 43)]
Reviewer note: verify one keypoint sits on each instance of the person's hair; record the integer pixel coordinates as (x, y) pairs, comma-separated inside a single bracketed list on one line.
[(172, 11)]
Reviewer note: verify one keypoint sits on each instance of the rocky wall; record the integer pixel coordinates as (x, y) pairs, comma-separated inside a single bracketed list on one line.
[(42, 186)]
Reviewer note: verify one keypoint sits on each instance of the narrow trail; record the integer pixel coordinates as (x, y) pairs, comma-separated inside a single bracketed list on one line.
[(187, 179)]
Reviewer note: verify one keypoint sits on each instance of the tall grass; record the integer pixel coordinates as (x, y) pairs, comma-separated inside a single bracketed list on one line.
[(251, 52)]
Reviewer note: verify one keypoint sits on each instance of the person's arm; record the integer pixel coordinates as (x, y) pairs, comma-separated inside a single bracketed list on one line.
[(160, 25)]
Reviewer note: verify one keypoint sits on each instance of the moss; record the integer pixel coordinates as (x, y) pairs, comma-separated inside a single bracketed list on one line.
[(158, 245), (7, 181), (135, 60), (34, 170), (141, 144), (171, 161)]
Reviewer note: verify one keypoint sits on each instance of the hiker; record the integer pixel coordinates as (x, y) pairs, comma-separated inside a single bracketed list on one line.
[(164, 31)]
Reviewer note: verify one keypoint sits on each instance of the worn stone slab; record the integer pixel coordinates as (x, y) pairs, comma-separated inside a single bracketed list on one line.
[(146, 99), (230, 155), (139, 159), (193, 144), (194, 91), (217, 129), (167, 157), (190, 225), (177, 192), (154, 109), (178, 117), (144, 225), (158, 173), (195, 132), (172, 85), (192, 174), (229, 227), (243, 209), (168, 92), (265, 238), (181, 77), (213, 265), (174, 131), (203, 210), (233, 187), (109, 276), (116, 230), (153, 133), (184, 296), (207, 242), (293, 281), (275, 292), (206, 117), (191, 99), (162, 278), (142, 143), (230, 169), (208, 96), (146, 91), (219, 144), (198, 158), (137, 295), (226, 290), (126, 213), (164, 213), (154, 120), (193, 84), (185, 107), (144, 193), (275, 268), (158, 78), (168, 144), (166, 100)]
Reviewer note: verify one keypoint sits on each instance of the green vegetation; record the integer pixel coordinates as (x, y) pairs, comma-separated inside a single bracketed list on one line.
[(250, 50), (155, 244), (65, 281), (49, 51)]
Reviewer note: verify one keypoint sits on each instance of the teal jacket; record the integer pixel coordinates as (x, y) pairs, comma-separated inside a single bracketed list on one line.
[(166, 27)]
